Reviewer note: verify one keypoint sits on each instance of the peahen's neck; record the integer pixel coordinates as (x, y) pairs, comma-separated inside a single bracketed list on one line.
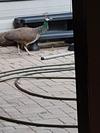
[(44, 27)]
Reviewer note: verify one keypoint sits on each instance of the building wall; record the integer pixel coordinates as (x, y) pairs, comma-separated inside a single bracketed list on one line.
[(10, 10)]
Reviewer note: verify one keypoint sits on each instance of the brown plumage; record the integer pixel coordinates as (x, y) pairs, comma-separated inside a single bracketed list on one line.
[(3, 41), (22, 37)]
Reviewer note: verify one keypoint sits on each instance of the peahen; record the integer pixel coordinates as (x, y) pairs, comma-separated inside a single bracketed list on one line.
[(24, 36)]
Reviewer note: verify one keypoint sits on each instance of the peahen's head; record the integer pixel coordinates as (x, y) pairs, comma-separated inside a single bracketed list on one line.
[(46, 18), (45, 25)]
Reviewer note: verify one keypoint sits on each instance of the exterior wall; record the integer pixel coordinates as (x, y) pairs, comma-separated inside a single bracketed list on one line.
[(10, 10)]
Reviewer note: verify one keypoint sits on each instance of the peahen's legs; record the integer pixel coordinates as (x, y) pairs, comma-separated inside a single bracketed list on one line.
[(18, 48), (27, 50), (25, 47)]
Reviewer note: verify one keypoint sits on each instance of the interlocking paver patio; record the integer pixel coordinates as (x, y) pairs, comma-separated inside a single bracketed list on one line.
[(18, 105)]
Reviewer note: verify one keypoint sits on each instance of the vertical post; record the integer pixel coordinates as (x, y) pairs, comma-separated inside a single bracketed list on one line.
[(93, 35), (86, 20), (81, 63)]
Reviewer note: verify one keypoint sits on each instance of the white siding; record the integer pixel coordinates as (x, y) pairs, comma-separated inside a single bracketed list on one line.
[(10, 10)]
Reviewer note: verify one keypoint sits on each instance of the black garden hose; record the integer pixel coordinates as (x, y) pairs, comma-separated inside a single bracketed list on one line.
[(32, 68), (36, 124), (43, 96), (31, 72)]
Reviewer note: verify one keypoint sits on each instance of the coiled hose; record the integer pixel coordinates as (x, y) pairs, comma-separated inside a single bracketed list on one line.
[(25, 73)]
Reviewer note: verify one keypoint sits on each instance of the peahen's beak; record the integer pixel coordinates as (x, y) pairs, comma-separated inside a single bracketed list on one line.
[(48, 18)]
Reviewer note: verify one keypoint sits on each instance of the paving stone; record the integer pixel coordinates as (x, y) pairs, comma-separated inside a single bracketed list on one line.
[(42, 130), (68, 120), (72, 130), (31, 109), (71, 104), (43, 102), (56, 111), (57, 130), (70, 112), (23, 130), (8, 130)]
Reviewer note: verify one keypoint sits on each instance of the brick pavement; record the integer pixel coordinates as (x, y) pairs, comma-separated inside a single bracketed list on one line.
[(16, 104)]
